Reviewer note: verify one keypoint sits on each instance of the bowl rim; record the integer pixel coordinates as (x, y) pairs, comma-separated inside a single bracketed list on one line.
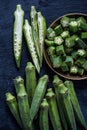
[(71, 77)]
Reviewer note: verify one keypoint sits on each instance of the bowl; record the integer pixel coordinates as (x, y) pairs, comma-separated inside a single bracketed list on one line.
[(58, 71)]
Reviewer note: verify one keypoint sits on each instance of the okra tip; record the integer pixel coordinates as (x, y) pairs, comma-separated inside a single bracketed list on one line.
[(22, 91), (44, 104), (45, 77), (9, 97), (50, 94), (63, 89), (18, 80), (29, 66), (56, 80)]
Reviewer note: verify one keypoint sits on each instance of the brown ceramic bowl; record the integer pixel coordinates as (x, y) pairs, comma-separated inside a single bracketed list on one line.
[(58, 71)]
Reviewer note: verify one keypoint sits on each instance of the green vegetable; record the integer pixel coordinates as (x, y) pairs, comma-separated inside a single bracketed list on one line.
[(58, 29), (51, 50), (50, 33), (65, 34), (82, 25), (69, 60), (80, 71), (60, 50), (73, 69), (43, 117), (84, 35), (74, 55), (68, 50), (58, 40), (65, 21), (73, 26), (56, 82), (81, 43), (80, 61), (13, 106), (81, 19), (85, 65), (42, 33), (81, 52), (24, 107), (69, 42), (64, 67), (30, 43), (30, 81), (39, 94), (49, 43), (67, 106), (34, 25), (53, 111), (17, 34), (75, 103)]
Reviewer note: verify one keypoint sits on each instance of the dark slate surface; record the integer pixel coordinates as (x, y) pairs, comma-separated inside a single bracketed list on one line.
[(51, 9)]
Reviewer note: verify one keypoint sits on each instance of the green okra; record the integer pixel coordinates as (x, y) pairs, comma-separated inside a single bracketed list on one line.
[(39, 94), (81, 52), (65, 34), (69, 42), (80, 71), (80, 61), (34, 25), (85, 65), (82, 25), (18, 80), (68, 50), (51, 50), (49, 42), (50, 33), (81, 19), (67, 106), (60, 50), (53, 111), (42, 33), (30, 43), (74, 55), (81, 43), (30, 81), (24, 107), (58, 40), (17, 34), (75, 103), (43, 116), (64, 67), (73, 26), (58, 29), (74, 69), (13, 106), (65, 21), (56, 82), (84, 35), (69, 60)]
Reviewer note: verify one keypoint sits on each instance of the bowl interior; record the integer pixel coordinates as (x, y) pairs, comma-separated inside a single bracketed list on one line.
[(58, 71)]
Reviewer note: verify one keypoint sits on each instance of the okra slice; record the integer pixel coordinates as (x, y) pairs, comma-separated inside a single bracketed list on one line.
[(49, 43), (64, 67), (58, 29), (65, 21), (72, 19), (80, 61), (82, 19), (80, 71), (81, 43), (67, 106), (74, 69), (30, 43), (81, 52), (56, 82), (85, 65), (60, 50), (30, 81), (53, 111), (24, 107), (69, 42), (39, 94), (74, 55), (84, 35), (34, 25), (51, 50), (75, 103), (42, 33), (13, 106), (58, 40), (69, 61), (17, 34), (73, 26), (43, 116), (65, 34), (50, 33), (68, 50), (56, 61), (82, 25)]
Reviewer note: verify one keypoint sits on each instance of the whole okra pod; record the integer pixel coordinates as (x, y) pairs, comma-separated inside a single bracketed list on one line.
[(67, 106), (43, 118), (24, 107), (56, 82), (42, 33), (53, 111), (30, 43), (17, 34), (30, 81), (34, 25), (75, 103), (39, 94)]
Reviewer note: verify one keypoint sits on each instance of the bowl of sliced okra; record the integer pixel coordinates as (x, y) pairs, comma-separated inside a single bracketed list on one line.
[(65, 46)]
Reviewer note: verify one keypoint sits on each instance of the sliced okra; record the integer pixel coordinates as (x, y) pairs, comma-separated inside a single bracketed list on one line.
[(65, 34), (58, 29), (65, 21), (84, 35), (81, 43), (58, 40), (74, 69), (81, 52), (80, 71), (73, 26), (85, 65), (50, 33), (82, 19), (69, 42), (69, 60), (60, 50), (51, 50), (49, 42), (64, 67)]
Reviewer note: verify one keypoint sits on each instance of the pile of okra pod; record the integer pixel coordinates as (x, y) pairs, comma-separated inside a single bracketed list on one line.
[(35, 101), (67, 45), (34, 35)]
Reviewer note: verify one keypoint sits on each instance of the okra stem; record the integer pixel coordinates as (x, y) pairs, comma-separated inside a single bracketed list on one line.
[(43, 118), (13, 106), (30, 81), (17, 34), (75, 103), (53, 111), (30, 43)]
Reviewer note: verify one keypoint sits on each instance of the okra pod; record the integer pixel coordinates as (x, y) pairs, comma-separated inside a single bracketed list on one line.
[(75, 103), (34, 25), (17, 34), (42, 33), (43, 118), (67, 106), (24, 107), (53, 111), (30, 43), (39, 93), (13, 106), (30, 81), (56, 82)]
